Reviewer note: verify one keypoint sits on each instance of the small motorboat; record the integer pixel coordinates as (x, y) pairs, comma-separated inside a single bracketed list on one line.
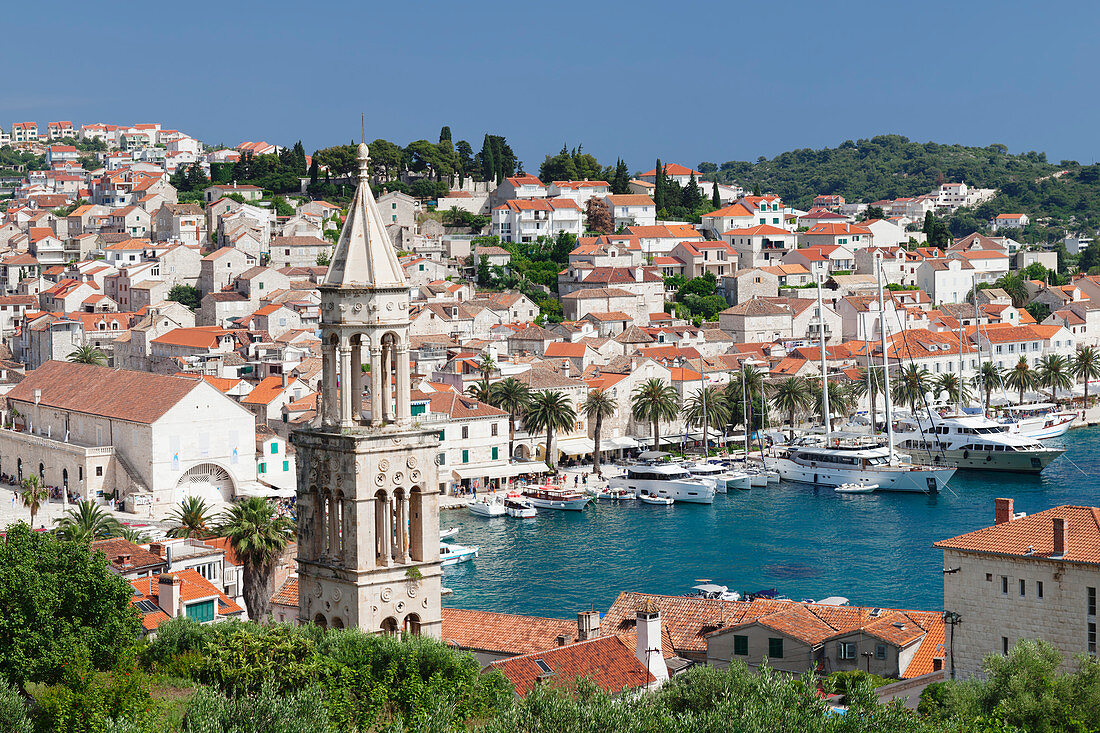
[(713, 591), (860, 488), (656, 500), (556, 497), (489, 506), (448, 533), (616, 495), (517, 506), (451, 554)]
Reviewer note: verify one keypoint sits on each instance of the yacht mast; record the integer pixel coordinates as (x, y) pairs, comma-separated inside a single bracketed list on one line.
[(703, 382), (824, 369), (885, 360), (870, 377), (978, 341), (745, 410)]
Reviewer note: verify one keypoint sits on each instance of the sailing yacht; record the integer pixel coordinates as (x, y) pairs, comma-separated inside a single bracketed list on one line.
[(972, 442), (835, 461)]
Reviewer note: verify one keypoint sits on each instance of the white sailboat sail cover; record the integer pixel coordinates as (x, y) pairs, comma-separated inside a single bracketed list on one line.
[(364, 256)]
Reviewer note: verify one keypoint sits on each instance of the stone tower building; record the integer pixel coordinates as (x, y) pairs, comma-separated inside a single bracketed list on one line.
[(368, 496)]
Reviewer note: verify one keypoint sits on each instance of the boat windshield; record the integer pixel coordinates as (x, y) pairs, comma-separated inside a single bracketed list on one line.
[(653, 474)]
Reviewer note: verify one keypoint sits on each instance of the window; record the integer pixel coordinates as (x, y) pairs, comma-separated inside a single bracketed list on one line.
[(263, 466), (1004, 585), (443, 435), (275, 447), (442, 459), (846, 650), (1023, 587), (740, 645), (286, 466), (99, 470), (466, 431), (201, 612), (496, 452), (1038, 589), (465, 456), (1092, 637), (495, 428), (1092, 601), (880, 651), (1004, 645), (775, 648)]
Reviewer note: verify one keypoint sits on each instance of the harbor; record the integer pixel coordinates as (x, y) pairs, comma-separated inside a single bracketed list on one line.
[(807, 542)]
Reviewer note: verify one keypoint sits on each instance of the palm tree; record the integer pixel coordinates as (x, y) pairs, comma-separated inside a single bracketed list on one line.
[(480, 391), (550, 411), (87, 355), (87, 522), (34, 495), (1021, 377), (512, 395), (841, 400), (652, 402), (598, 405), (192, 518), (859, 389), (792, 395), (736, 394), (486, 366), (958, 391), (1086, 364), (712, 403), (133, 535), (911, 385), (258, 537), (989, 377), (1054, 373)]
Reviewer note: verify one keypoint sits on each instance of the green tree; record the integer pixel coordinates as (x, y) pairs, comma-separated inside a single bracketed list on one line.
[(660, 187), (597, 406), (480, 390), (987, 379), (655, 402), (1055, 372), (910, 386), (191, 518), (1086, 365), (187, 295), (1021, 378), (620, 182), (691, 197), (511, 395), (877, 387), (716, 197), (87, 354), (34, 494), (86, 522), (13, 711), (958, 391), (793, 396), (62, 606), (549, 411), (259, 537), (706, 408)]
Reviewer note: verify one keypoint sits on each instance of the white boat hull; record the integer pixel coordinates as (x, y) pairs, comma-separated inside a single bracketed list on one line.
[(571, 505), (1043, 428), (1033, 461), (691, 492), (930, 480), (483, 509), (739, 481)]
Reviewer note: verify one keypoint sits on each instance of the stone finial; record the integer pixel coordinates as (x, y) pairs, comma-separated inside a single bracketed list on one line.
[(364, 161)]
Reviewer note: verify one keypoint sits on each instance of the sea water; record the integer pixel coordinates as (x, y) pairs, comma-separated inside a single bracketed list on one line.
[(875, 549)]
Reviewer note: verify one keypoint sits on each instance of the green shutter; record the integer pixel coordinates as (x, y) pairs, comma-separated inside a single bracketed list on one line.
[(442, 435), (263, 466), (495, 452), (417, 410), (741, 645), (286, 465), (201, 612), (274, 449), (775, 648), (465, 456)]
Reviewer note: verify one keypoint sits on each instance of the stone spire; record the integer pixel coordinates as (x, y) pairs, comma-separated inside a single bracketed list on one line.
[(364, 256)]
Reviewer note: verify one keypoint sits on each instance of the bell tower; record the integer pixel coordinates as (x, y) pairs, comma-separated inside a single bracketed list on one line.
[(368, 494)]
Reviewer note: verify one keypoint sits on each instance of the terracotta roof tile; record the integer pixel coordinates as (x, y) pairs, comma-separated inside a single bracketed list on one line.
[(503, 632), (1033, 536), (605, 660)]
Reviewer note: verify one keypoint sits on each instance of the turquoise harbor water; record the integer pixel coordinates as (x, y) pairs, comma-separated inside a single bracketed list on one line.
[(874, 549)]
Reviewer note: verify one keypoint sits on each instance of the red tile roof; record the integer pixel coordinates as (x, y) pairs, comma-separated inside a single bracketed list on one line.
[(503, 632), (1033, 536), (605, 660)]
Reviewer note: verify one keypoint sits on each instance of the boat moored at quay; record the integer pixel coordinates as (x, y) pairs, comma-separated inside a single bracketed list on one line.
[(664, 479)]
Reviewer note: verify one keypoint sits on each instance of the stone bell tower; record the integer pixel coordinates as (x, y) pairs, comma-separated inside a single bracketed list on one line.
[(368, 495)]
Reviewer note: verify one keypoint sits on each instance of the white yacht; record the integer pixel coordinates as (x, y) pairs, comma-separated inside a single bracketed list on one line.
[(664, 479), (839, 462), (711, 474), (518, 507), (1038, 420), (487, 506), (972, 442)]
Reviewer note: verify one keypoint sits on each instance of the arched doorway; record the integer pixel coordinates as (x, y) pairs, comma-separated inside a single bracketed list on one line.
[(42, 472), (207, 481), (412, 624), (65, 478), (320, 620), (389, 626), (337, 623)]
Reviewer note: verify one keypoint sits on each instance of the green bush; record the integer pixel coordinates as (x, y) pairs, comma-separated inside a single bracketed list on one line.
[(268, 710), (94, 702), (13, 711)]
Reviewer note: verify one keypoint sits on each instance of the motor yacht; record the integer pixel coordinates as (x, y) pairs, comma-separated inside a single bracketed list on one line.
[(664, 479), (842, 461), (711, 474), (713, 591), (487, 506), (1038, 420), (453, 554), (518, 507), (555, 497), (971, 442)]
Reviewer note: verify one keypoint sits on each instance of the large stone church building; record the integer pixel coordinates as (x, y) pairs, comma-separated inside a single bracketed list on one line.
[(368, 492)]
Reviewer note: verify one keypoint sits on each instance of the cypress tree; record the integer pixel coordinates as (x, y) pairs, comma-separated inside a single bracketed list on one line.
[(715, 198), (659, 185), (445, 134), (488, 161), (621, 182)]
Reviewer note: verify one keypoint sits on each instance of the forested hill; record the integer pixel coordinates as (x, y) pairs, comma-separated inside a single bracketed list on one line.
[(884, 167)]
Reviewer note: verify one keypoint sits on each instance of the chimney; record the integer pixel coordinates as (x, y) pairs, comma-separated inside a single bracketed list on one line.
[(168, 594), (156, 548), (284, 379), (648, 649), (1002, 511), (1061, 527), (125, 559), (562, 640), (588, 625)]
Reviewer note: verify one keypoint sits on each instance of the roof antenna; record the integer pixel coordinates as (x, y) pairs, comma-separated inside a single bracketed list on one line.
[(362, 127)]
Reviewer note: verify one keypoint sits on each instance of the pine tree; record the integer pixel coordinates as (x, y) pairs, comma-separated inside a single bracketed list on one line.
[(621, 182), (691, 197)]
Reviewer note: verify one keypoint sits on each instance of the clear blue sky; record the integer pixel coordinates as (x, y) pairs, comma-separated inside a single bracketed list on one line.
[(685, 81)]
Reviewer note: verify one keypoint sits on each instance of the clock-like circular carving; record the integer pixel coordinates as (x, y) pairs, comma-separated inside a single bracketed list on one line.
[(389, 306), (399, 606), (318, 590), (414, 475), (411, 462), (387, 594), (413, 590), (397, 477), (357, 307), (384, 464), (380, 479)]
